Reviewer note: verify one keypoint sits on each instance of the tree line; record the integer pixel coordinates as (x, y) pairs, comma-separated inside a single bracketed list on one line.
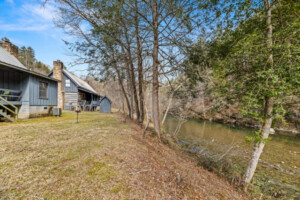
[(26, 56)]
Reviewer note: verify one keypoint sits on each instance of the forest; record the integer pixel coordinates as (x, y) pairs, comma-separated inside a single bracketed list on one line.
[(165, 56)]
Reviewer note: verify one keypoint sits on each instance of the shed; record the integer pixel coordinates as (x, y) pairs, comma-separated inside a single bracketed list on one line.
[(105, 105)]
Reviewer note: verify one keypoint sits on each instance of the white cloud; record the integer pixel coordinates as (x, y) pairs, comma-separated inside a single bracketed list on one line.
[(10, 1), (30, 17), (19, 27), (17, 42), (45, 12)]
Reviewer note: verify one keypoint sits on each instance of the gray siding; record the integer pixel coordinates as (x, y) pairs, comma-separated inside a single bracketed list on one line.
[(105, 105), (15, 80), (11, 79), (25, 88), (34, 83), (72, 88), (71, 99)]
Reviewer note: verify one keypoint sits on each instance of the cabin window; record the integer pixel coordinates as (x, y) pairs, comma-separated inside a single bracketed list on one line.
[(43, 90), (68, 83)]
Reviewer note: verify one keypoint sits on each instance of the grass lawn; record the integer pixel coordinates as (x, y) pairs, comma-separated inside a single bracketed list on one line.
[(99, 158)]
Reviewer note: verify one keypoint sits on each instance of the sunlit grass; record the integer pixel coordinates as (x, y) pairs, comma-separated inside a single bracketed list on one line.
[(57, 158), (100, 157)]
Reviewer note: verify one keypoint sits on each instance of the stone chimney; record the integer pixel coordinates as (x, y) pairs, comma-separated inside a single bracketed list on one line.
[(11, 48), (58, 67)]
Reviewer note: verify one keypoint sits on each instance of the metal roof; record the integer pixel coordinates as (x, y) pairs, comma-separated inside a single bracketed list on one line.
[(7, 58), (11, 61), (79, 82), (105, 97)]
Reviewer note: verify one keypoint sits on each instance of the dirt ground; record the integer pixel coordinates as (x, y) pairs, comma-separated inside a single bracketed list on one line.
[(101, 157)]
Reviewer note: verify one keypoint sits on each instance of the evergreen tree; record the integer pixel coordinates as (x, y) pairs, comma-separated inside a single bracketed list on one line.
[(256, 63), (5, 39), (27, 58)]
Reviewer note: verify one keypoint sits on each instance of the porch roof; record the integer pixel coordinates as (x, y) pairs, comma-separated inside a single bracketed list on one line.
[(8, 60)]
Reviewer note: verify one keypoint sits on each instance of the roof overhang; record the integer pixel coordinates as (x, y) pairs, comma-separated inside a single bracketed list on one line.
[(28, 71), (105, 97), (79, 87), (88, 91)]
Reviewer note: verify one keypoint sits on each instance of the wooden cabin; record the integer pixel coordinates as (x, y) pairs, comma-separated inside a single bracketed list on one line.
[(23, 93), (73, 91)]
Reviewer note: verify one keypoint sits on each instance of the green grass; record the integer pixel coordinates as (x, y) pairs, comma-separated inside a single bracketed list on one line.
[(98, 158), (57, 158)]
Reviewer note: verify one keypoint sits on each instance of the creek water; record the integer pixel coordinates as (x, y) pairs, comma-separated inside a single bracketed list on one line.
[(278, 171)]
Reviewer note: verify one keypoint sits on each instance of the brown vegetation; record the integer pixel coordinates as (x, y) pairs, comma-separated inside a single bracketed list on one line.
[(98, 158)]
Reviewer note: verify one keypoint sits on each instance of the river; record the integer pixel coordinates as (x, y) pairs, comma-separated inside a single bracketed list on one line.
[(278, 172)]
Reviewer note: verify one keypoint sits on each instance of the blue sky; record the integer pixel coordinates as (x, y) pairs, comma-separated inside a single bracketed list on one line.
[(28, 23)]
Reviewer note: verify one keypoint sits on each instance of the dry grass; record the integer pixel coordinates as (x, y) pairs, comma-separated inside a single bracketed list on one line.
[(99, 158)]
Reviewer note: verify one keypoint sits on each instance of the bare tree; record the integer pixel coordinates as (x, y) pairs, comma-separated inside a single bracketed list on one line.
[(154, 31)]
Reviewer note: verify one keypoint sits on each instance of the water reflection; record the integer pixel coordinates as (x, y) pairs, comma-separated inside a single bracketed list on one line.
[(280, 161)]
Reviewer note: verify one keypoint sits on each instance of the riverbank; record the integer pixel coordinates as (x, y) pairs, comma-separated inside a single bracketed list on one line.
[(101, 157), (223, 149), (290, 128), (204, 106)]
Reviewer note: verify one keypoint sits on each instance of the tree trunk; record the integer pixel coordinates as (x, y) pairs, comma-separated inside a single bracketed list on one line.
[(141, 83), (132, 77), (140, 67), (167, 109), (268, 9), (269, 101), (124, 91), (129, 83), (155, 89), (147, 93), (258, 149), (133, 85), (129, 87), (169, 104)]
